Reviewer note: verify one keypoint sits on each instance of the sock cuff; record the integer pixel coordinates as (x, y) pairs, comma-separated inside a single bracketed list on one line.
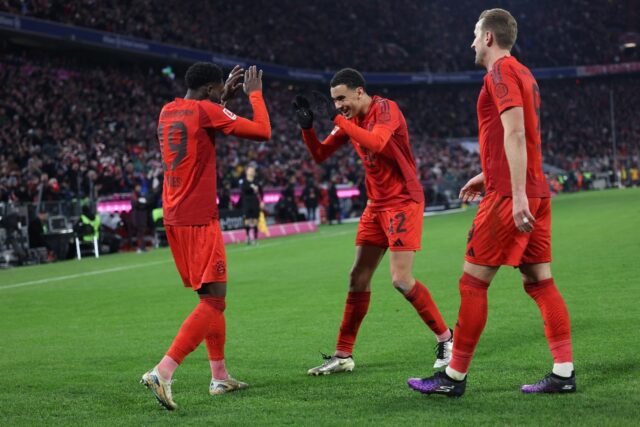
[(536, 286), (417, 289), (217, 303), (472, 281), (358, 297)]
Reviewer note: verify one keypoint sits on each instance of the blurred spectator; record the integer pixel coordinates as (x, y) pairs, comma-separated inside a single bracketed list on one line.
[(76, 128), (333, 209), (409, 35), (310, 197), (139, 218)]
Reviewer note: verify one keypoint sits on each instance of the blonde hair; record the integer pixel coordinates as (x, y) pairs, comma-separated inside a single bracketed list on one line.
[(503, 26)]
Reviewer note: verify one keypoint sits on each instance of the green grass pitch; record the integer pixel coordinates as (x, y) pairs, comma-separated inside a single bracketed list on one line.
[(76, 336)]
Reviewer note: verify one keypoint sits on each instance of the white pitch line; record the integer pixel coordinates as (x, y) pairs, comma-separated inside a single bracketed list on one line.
[(75, 276), (110, 270)]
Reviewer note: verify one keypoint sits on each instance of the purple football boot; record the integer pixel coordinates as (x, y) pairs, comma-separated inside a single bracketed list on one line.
[(552, 383), (440, 383)]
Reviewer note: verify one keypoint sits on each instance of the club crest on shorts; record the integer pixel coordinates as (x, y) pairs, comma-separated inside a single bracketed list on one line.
[(221, 268)]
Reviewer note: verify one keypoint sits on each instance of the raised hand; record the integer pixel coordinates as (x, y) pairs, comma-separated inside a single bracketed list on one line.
[(232, 84), (252, 80), (304, 115)]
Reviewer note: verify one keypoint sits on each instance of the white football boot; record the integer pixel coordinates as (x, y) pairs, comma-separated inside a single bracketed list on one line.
[(333, 365), (443, 352), (160, 388), (225, 386)]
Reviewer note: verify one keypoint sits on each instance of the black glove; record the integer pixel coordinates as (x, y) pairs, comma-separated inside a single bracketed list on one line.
[(303, 112), (325, 103)]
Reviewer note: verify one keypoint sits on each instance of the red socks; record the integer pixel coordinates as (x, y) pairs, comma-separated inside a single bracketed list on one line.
[(555, 316), (471, 320), (217, 336), (355, 309), (358, 304), (473, 316), (427, 309), (205, 321)]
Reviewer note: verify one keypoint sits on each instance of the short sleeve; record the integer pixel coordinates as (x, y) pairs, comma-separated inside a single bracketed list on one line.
[(505, 88)]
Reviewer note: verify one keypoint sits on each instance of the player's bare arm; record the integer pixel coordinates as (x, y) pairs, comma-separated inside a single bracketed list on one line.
[(473, 189), (515, 147)]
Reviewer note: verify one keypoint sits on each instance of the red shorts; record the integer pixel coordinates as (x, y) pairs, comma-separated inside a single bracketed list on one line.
[(198, 251), (494, 239), (398, 229)]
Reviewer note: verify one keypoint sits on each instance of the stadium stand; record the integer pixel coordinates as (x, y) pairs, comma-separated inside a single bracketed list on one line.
[(78, 124), (409, 35)]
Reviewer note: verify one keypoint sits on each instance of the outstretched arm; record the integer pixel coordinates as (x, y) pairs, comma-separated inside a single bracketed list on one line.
[(259, 128), (374, 140), (320, 151)]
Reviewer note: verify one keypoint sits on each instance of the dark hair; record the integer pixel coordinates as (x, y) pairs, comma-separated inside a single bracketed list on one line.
[(348, 77), (503, 26), (202, 73)]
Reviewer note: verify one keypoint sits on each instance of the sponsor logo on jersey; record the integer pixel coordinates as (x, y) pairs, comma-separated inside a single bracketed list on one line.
[(398, 243), (229, 114)]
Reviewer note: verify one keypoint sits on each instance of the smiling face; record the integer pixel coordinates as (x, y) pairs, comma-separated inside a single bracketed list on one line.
[(348, 101)]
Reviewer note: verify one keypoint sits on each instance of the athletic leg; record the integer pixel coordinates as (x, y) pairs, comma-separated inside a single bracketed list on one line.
[(540, 286), (367, 260)]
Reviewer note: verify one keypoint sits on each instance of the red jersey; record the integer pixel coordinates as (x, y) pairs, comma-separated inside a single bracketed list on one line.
[(510, 84), (381, 139), (186, 132)]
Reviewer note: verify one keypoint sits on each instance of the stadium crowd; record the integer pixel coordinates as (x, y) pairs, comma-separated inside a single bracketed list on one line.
[(78, 127), (407, 35)]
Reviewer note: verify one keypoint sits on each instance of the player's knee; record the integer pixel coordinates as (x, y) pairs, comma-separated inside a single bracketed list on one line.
[(215, 289), (402, 285), (359, 280)]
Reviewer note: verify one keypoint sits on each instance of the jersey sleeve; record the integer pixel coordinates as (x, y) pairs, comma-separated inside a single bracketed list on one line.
[(220, 118), (505, 88), (388, 116), (386, 123), (320, 151)]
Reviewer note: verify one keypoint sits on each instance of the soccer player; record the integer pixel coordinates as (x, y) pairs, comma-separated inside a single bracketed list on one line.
[(513, 223), (251, 195), (186, 132), (394, 212)]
